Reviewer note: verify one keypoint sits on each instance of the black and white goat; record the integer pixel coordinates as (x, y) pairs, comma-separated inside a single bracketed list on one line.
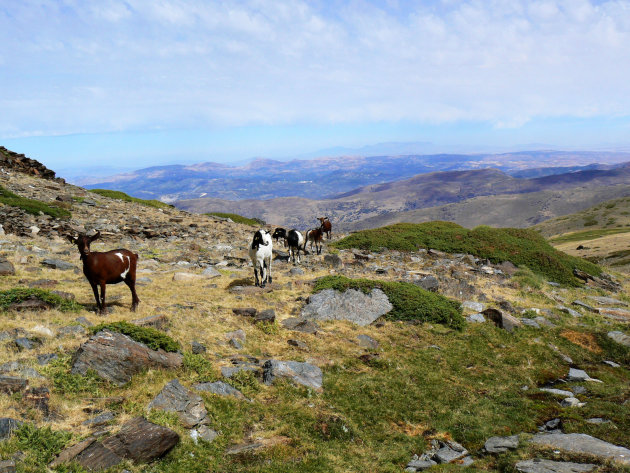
[(260, 253), (293, 239)]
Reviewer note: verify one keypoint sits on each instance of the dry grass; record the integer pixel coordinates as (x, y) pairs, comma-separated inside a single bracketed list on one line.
[(581, 339)]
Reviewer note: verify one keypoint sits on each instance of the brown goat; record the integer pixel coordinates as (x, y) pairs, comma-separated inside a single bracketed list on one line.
[(326, 226), (108, 267), (316, 235)]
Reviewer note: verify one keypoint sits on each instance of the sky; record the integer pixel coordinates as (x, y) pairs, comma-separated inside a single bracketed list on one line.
[(133, 83)]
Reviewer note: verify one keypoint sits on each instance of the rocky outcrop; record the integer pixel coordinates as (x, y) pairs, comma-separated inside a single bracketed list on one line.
[(182, 401), (12, 161), (301, 373), (352, 305), (116, 357), (138, 440)]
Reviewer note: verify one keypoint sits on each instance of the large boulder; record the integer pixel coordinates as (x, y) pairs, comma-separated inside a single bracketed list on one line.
[(352, 305), (584, 444), (138, 440), (300, 373), (116, 357)]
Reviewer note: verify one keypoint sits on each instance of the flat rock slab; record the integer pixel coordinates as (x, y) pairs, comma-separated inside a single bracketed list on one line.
[(549, 466), (501, 444), (352, 305), (12, 384), (7, 466), (557, 392), (300, 373), (116, 357), (7, 426), (187, 404), (584, 444), (502, 320), (622, 315), (6, 268), (220, 389), (620, 338), (300, 324), (138, 440), (58, 264), (607, 301)]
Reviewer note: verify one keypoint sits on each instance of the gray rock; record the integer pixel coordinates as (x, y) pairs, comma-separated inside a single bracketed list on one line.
[(557, 392), (333, 260), (476, 318), (301, 373), (229, 371), (584, 444), (185, 403), (46, 358), (579, 375), (351, 305), (428, 283), (6, 268), (584, 305), (501, 444), (12, 384), (611, 364), (473, 306), (567, 310), (58, 264), (620, 338), (298, 344), (7, 466), (236, 335), (7, 426), (607, 300), (296, 272), (71, 330), (597, 420), (448, 454), (117, 358), (530, 323), (198, 348), (267, 316), (101, 419), (549, 466), (502, 320), (572, 402), (220, 389), (204, 433), (300, 325), (210, 273), (419, 465), (367, 342)]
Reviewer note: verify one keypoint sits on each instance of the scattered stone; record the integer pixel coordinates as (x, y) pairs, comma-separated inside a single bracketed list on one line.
[(597, 420), (557, 392), (32, 303), (182, 277), (44, 331), (620, 338), (476, 318), (7, 466), (352, 305), (204, 433), (100, 420), (210, 273), (611, 364), (449, 452), (185, 403), (428, 283), (622, 315), (501, 444), (584, 305), (6, 267), (43, 283), (572, 402), (12, 384), (38, 398), (138, 440), (507, 267), (366, 341), (198, 348), (300, 325), (552, 424), (549, 466), (7, 426), (502, 320), (46, 358), (244, 447), (473, 306), (117, 358), (333, 261), (298, 344), (267, 316), (584, 444), (530, 323), (567, 310), (607, 300), (71, 330), (296, 272), (220, 389), (229, 371), (58, 264), (419, 465), (301, 373), (246, 311), (580, 375)]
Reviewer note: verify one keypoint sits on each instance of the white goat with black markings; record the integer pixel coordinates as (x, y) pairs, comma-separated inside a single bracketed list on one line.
[(293, 239), (260, 253)]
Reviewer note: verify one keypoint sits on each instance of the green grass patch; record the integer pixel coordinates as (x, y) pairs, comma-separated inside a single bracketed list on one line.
[(20, 294), (127, 198), (523, 247), (65, 382), (410, 301), (590, 222), (151, 337), (199, 367), (31, 206), (38, 445), (587, 235), (254, 222)]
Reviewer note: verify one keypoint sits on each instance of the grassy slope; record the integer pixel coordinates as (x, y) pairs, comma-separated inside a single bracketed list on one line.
[(127, 198), (239, 218), (31, 206), (520, 246)]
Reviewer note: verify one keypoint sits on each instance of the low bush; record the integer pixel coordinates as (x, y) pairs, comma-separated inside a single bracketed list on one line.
[(20, 294), (523, 247), (254, 222), (410, 301), (151, 337), (127, 198), (31, 206)]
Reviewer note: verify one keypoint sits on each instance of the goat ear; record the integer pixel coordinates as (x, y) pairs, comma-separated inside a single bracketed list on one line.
[(96, 236), (71, 239)]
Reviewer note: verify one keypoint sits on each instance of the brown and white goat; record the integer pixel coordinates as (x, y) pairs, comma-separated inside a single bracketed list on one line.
[(315, 235), (326, 226), (107, 267)]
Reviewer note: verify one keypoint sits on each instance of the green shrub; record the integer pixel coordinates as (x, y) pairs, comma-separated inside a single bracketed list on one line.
[(590, 222), (31, 206), (151, 337), (199, 365), (20, 294), (41, 445), (254, 222), (127, 198), (409, 301), (522, 247), (65, 382)]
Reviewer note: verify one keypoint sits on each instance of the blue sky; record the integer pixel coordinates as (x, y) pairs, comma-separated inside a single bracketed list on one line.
[(138, 82)]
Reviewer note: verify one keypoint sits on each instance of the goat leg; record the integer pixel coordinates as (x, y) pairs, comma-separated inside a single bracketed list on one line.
[(131, 284), (103, 286), (96, 296)]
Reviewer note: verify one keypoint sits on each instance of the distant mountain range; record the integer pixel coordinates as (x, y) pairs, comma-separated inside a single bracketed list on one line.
[(327, 177)]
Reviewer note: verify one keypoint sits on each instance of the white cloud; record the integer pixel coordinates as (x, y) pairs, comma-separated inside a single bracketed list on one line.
[(141, 64)]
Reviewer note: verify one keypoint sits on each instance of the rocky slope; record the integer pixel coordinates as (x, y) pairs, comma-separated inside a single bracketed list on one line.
[(262, 384)]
